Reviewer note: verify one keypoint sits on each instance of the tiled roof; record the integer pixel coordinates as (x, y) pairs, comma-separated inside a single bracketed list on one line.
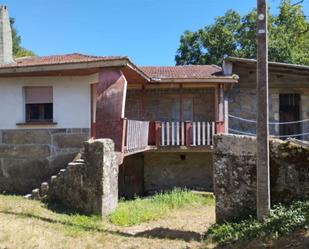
[(183, 72), (198, 72), (58, 59)]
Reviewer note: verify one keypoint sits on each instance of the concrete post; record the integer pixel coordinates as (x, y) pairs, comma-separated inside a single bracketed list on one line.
[(263, 182)]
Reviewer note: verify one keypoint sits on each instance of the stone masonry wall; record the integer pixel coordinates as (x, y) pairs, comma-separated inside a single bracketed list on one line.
[(242, 103), (30, 156), (235, 173), (89, 184), (166, 170)]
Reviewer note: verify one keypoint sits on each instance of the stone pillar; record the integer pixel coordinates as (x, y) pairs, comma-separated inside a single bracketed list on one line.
[(100, 154)]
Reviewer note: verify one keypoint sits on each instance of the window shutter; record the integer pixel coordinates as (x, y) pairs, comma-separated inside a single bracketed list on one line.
[(38, 95)]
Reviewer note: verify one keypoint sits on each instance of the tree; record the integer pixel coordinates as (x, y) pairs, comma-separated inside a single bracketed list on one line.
[(234, 35), (18, 50)]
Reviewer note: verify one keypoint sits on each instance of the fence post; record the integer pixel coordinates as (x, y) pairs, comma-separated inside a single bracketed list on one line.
[(157, 133), (187, 131)]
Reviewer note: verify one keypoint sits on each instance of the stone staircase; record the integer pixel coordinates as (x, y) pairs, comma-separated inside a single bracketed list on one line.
[(44, 189), (89, 183)]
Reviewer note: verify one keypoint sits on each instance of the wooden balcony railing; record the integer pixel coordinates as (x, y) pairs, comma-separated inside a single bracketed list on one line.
[(185, 133), (133, 136), (136, 135)]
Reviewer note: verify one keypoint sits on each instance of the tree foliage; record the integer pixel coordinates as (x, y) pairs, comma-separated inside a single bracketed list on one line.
[(18, 50), (235, 35)]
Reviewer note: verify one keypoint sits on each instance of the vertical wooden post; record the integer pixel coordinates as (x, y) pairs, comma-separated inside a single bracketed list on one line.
[(187, 131), (158, 133), (142, 112), (124, 134), (216, 103), (92, 132), (180, 103), (263, 181)]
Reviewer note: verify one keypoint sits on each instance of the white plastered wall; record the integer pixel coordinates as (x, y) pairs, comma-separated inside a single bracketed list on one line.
[(71, 100)]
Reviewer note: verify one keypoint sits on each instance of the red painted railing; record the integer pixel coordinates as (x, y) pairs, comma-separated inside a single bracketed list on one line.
[(132, 136), (184, 133)]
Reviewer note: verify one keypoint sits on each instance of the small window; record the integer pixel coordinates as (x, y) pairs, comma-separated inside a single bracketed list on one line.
[(39, 104)]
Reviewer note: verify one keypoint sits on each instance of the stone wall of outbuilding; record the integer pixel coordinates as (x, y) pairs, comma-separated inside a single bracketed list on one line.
[(235, 173), (30, 156), (242, 97)]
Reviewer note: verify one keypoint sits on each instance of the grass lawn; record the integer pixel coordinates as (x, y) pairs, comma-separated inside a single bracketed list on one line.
[(175, 220), (139, 210)]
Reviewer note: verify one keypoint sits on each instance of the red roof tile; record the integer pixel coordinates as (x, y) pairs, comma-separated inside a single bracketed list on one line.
[(58, 59), (155, 72), (183, 72)]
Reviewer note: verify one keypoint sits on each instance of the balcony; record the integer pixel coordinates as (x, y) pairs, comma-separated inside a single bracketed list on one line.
[(144, 135)]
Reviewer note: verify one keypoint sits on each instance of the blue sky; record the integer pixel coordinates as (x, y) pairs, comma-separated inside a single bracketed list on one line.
[(147, 31)]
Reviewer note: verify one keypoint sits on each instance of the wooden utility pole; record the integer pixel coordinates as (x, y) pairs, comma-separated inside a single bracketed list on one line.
[(263, 180)]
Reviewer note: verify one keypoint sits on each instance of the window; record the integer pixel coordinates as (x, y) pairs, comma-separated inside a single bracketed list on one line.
[(39, 104)]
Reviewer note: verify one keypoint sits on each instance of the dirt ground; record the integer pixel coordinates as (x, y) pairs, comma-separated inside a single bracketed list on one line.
[(29, 225)]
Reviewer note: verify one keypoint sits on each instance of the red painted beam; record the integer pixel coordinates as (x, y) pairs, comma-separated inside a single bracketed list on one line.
[(187, 133), (158, 133), (220, 128)]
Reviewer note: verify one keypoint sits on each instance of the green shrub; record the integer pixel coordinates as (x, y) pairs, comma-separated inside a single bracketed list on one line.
[(282, 220), (142, 210)]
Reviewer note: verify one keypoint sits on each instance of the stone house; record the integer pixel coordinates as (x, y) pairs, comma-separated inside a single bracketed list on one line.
[(288, 98), (161, 119)]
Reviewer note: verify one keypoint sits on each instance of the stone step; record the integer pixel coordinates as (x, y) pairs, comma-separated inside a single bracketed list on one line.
[(28, 196), (44, 188), (36, 194), (42, 191)]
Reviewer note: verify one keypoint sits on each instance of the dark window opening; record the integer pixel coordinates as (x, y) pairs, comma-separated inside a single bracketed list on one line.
[(39, 104), (39, 112), (289, 112)]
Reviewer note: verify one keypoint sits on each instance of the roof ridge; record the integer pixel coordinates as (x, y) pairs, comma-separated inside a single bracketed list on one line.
[(196, 65), (216, 66)]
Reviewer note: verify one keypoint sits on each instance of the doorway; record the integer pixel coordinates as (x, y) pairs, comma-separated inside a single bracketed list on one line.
[(289, 111)]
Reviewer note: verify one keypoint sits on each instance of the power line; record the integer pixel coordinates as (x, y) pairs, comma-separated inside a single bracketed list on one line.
[(298, 3)]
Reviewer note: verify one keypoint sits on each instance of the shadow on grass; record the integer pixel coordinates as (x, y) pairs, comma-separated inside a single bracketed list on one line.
[(159, 233), (61, 208), (166, 233), (55, 221)]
